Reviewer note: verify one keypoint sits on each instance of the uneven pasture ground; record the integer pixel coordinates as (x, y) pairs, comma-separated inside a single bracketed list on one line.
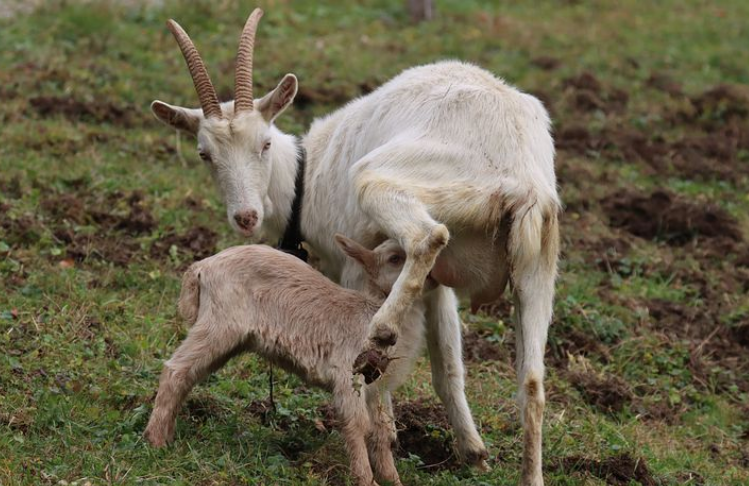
[(101, 208)]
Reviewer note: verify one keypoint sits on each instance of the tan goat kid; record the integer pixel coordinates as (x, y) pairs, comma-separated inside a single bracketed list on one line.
[(254, 298)]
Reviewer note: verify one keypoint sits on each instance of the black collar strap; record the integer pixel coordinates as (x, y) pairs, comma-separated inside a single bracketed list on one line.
[(291, 241)]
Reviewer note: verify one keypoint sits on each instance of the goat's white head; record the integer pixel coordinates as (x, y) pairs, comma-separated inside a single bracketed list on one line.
[(234, 138)]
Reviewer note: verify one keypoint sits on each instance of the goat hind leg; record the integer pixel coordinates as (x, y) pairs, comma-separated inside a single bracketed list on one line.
[(356, 427), (401, 215), (533, 302), (198, 355)]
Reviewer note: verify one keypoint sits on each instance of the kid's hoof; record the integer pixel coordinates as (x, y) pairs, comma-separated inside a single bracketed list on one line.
[(371, 364), (478, 459)]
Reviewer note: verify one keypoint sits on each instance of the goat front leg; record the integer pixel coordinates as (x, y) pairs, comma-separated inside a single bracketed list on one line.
[(448, 374), (200, 354), (402, 216)]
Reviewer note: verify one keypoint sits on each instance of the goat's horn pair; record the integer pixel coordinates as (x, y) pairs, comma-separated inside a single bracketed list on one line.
[(243, 71)]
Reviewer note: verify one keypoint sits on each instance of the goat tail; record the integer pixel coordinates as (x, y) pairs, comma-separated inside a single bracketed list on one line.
[(189, 297), (533, 245)]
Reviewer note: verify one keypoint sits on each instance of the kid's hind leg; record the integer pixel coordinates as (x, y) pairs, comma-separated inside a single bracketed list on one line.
[(200, 354)]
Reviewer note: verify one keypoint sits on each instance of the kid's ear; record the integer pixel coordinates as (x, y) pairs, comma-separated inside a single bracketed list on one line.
[(183, 119), (275, 102), (356, 251)]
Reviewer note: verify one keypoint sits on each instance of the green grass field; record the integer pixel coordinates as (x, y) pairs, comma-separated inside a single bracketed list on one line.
[(101, 208)]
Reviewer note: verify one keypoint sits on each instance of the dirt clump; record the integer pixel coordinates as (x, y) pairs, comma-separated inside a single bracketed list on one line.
[(618, 470), (664, 216), (78, 110), (415, 421)]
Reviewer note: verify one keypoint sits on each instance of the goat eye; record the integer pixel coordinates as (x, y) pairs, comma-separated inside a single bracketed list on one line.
[(266, 146), (395, 259), (204, 156)]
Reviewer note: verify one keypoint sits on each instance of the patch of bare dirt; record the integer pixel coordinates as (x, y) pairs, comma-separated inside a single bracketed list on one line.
[(195, 244), (711, 343), (547, 63), (587, 93), (670, 218), (11, 188), (478, 349), (663, 82), (415, 421), (608, 393), (98, 111), (116, 228), (720, 104), (619, 470), (199, 409)]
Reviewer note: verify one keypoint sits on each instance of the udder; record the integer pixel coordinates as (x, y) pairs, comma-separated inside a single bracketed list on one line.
[(474, 265)]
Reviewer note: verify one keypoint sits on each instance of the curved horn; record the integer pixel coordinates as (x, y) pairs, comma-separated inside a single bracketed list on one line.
[(243, 100), (200, 78)]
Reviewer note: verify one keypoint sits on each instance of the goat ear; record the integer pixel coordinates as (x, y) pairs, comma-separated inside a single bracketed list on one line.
[(354, 250), (184, 119), (275, 102)]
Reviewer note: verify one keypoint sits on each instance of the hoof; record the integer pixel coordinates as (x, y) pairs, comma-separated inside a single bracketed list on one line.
[(478, 459), (385, 337), (156, 440)]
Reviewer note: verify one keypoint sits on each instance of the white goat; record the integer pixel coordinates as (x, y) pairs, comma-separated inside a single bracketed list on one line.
[(254, 298), (441, 152)]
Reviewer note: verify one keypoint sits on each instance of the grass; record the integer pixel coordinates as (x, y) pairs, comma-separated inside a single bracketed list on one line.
[(87, 296)]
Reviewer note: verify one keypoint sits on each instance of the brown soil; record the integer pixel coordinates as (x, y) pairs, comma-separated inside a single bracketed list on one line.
[(711, 343), (201, 408), (665, 83), (477, 349), (670, 218), (547, 63), (621, 469), (96, 111), (415, 422), (719, 105), (196, 244), (11, 188), (607, 393), (588, 94)]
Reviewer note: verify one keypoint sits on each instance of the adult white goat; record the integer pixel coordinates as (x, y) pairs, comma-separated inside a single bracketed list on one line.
[(442, 151)]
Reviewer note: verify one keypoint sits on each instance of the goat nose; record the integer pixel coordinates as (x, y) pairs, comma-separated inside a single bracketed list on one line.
[(246, 220)]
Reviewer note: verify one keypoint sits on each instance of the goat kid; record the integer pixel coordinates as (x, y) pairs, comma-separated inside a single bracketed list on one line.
[(257, 299)]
